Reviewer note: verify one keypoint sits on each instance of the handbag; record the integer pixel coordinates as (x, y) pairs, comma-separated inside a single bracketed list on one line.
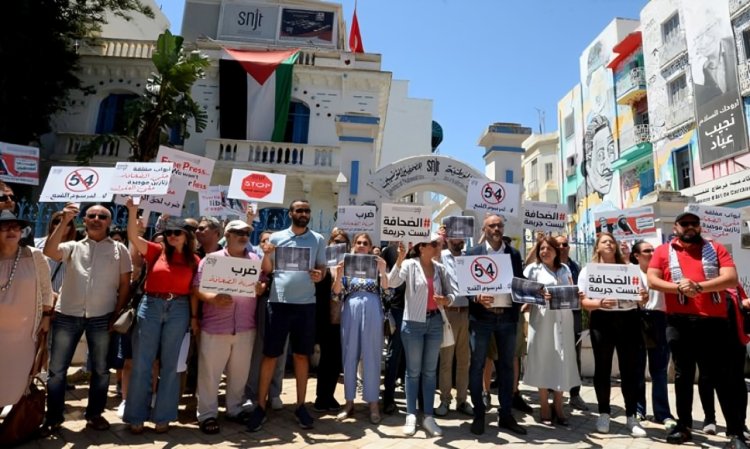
[(447, 331), (125, 320), (26, 416)]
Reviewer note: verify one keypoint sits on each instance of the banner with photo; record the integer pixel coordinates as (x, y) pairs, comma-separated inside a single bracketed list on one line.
[(722, 133), (459, 227), (564, 297), (526, 291), (364, 266), (627, 224)]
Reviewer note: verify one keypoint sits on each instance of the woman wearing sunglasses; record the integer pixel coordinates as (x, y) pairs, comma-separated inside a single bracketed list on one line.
[(163, 318), (427, 288), (654, 326)]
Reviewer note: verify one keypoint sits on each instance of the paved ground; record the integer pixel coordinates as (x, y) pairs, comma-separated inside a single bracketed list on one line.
[(281, 431)]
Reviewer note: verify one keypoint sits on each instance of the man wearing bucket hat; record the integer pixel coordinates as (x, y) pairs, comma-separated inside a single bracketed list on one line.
[(694, 275)]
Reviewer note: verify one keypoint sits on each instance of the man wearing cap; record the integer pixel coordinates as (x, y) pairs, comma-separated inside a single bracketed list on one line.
[(694, 274), (494, 316), (227, 336), (291, 311), (94, 290)]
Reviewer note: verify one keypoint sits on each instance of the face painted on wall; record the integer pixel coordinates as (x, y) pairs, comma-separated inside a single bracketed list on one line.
[(601, 154)]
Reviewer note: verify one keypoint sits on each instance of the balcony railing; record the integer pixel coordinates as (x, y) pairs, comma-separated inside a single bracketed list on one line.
[(736, 7), (680, 113), (119, 48), (744, 75), (630, 82), (273, 154), (634, 135), (69, 144), (673, 48), (532, 188)]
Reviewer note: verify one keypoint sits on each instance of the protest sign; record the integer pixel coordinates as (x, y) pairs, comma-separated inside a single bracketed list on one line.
[(486, 275), (721, 224), (355, 219), (405, 223), (195, 170), (170, 204), (335, 254), (77, 185), (141, 178), (627, 224), (363, 266), (459, 227), (229, 275), (209, 202), (493, 197), (564, 297), (526, 291), (613, 281), (20, 164), (549, 217), (257, 187), (291, 258)]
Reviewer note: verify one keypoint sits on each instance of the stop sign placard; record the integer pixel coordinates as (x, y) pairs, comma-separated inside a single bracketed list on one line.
[(257, 185)]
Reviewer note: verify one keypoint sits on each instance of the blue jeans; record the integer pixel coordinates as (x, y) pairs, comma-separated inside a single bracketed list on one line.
[(160, 328), (658, 361), (422, 348), (503, 331), (66, 333)]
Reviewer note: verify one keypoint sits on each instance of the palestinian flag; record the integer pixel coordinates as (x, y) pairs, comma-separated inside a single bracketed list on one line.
[(255, 88)]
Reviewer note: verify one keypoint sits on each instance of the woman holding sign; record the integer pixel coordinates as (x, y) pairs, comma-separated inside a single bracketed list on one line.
[(614, 325), (163, 318), (551, 361), (427, 288), (361, 329)]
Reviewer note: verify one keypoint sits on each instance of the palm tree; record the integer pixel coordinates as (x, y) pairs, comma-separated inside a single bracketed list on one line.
[(165, 103)]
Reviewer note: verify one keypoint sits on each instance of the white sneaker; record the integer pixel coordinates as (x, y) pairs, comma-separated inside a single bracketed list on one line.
[(602, 423), (121, 410), (443, 409), (410, 426), (634, 427), (431, 427), (276, 404), (669, 424)]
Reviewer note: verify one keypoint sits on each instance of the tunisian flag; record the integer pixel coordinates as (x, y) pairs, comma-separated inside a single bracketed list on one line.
[(355, 38)]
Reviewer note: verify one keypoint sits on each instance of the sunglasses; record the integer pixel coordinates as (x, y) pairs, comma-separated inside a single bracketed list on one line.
[(564, 245), (646, 251), (4, 198), (687, 224), (302, 211), (99, 216), (173, 232), (10, 226), (240, 233), (362, 243), (340, 241)]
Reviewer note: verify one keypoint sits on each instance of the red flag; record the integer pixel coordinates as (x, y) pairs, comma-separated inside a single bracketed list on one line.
[(355, 38)]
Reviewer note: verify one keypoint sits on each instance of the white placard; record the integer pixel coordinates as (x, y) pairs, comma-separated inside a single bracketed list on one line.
[(627, 224), (257, 187), (614, 281), (493, 197), (549, 217), (170, 204), (77, 184), (209, 202), (486, 275), (405, 223), (229, 275), (141, 178), (194, 169), (355, 219), (721, 224)]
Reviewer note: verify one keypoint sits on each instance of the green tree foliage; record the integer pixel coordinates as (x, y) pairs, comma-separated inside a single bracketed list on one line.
[(39, 45), (165, 103)]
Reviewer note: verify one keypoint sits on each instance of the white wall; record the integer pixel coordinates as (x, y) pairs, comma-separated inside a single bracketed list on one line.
[(408, 126)]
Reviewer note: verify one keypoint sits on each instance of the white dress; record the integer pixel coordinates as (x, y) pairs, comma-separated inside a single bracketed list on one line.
[(551, 358)]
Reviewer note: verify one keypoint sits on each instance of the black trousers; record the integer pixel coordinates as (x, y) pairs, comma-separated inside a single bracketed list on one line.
[(329, 367), (708, 344)]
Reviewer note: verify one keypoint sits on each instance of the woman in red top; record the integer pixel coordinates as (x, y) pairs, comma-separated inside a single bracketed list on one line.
[(163, 319)]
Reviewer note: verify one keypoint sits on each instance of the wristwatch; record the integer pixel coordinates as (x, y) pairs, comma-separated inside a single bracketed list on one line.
[(698, 287)]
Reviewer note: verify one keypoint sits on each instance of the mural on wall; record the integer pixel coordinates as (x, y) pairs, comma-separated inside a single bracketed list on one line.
[(632, 181)]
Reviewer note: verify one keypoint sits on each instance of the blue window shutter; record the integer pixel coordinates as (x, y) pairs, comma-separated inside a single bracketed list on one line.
[(509, 176), (354, 178), (647, 182)]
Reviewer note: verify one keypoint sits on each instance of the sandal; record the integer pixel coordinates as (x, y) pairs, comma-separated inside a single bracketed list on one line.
[(210, 426), (345, 413)]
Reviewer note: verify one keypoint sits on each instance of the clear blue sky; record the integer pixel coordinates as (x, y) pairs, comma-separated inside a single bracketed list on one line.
[(480, 61)]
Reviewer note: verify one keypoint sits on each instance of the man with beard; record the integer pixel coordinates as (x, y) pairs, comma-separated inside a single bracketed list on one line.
[(458, 315), (290, 311), (694, 275)]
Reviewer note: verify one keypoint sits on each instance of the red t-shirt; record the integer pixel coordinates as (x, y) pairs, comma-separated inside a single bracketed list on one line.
[(691, 262), (163, 277), (431, 303)]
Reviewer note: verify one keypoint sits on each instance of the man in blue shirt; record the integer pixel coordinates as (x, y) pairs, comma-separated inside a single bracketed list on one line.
[(291, 311)]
